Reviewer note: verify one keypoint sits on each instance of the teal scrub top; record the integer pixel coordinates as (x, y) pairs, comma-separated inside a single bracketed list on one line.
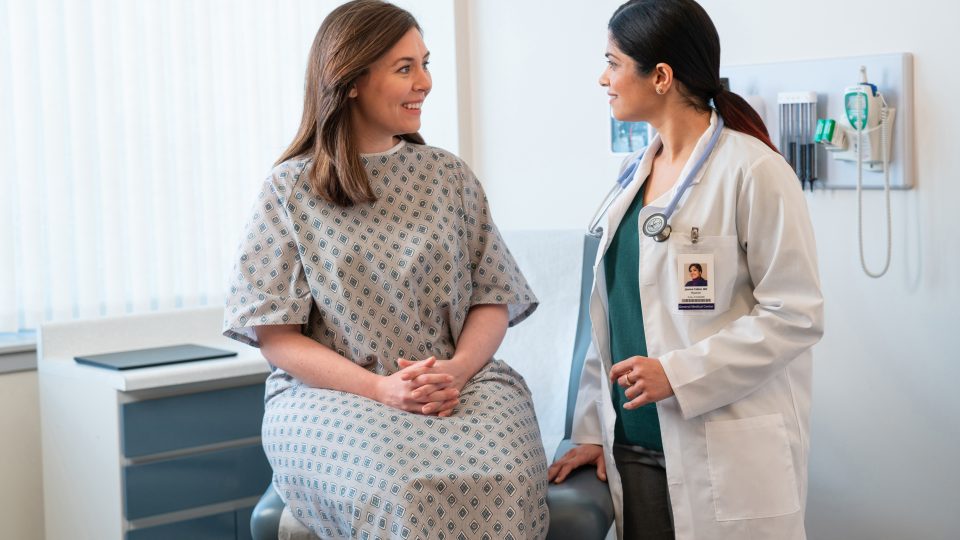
[(621, 263)]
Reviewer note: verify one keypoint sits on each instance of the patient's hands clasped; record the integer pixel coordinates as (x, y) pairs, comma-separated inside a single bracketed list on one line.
[(428, 386)]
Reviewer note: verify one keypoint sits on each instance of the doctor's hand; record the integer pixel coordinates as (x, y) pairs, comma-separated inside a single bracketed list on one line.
[(644, 380), (578, 456)]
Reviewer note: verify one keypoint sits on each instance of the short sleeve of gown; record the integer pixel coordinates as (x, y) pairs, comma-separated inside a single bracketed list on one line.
[(268, 285), (496, 277)]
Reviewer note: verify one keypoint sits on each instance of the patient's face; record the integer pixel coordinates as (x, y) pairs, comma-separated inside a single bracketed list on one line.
[(388, 98)]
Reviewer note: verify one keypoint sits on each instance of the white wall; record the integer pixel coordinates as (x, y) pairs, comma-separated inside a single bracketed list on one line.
[(885, 429), (551, 264), (440, 108), (539, 116), (21, 480)]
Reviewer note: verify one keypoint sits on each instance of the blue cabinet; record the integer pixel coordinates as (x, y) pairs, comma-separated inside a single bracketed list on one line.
[(192, 454), (169, 452), (159, 425), (221, 526)]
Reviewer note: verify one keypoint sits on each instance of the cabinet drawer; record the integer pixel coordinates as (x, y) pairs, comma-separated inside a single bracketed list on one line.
[(243, 524), (197, 480), (158, 425), (218, 527)]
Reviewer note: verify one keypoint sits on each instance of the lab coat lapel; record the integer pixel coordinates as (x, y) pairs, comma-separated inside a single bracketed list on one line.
[(702, 143), (619, 207)]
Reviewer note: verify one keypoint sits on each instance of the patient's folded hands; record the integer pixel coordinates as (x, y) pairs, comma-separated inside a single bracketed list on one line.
[(397, 390), (436, 384)]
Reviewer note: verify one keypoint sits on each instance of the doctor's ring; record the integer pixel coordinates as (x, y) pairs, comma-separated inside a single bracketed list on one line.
[(626, 376)]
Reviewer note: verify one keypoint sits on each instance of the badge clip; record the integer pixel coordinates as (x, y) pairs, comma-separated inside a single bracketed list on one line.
[(694, 235)]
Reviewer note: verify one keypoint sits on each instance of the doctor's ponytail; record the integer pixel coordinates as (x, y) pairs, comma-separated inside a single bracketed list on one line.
[(681, 34), (739, 115)]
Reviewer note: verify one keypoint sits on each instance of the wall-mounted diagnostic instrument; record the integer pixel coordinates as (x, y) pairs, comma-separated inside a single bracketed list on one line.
[(843, 123)]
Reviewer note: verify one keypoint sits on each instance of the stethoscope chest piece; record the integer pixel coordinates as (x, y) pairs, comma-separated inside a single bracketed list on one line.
[(656, 227)]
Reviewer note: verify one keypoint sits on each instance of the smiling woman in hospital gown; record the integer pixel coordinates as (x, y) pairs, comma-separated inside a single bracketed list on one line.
[(375, 281)]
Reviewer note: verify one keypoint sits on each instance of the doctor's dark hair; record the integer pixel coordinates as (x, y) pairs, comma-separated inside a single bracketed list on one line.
[(680, 33), (350, 39)]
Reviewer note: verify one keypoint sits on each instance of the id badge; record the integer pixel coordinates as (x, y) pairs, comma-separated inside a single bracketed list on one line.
[(696, 278)]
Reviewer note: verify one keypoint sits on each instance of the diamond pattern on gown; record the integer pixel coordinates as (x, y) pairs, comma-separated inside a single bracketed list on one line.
[(376, 282)]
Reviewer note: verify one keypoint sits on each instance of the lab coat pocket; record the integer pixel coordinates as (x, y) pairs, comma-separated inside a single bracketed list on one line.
[(751, 468), (703, 274)]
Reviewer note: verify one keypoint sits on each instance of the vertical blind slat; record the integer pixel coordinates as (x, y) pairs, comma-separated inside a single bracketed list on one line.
[(134, 136), (27, 172), (9, 304), (82, 111)]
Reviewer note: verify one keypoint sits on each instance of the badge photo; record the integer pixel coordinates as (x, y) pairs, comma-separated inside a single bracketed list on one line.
[(695, 272)]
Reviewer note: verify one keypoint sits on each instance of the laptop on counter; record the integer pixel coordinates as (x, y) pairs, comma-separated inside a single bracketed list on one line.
[(156, 356)]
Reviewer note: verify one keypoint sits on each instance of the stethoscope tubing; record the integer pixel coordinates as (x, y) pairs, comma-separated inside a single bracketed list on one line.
[(615, 191), (627, 176)]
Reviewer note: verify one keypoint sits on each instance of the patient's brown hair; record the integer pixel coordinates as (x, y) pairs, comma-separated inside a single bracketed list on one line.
[(350, 39)]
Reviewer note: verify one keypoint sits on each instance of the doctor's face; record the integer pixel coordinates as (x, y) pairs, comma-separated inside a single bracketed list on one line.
[(694, 272), (632, 94)]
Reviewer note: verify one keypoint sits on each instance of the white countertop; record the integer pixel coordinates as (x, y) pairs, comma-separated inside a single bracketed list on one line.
[(58, 344), (18, 343)]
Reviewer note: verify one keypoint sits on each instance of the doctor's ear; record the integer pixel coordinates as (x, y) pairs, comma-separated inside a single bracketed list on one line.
[(662, 77), (353, 92)]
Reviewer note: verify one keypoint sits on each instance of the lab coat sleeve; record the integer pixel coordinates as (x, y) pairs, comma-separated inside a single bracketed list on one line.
[(774, 229), (586, 417)]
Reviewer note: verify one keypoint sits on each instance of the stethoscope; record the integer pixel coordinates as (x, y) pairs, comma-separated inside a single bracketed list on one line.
[(657, 224)]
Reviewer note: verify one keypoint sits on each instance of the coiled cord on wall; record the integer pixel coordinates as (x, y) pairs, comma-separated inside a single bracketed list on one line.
[(884, 140)]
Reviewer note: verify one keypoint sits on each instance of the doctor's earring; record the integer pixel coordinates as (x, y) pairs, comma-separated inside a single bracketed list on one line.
[(660, 90)]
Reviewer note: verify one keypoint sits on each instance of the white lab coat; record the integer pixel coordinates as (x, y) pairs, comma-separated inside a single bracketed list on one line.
[(735, 434)]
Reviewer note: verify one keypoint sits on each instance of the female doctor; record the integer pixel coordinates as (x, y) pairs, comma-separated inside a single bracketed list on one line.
[(694, 402)]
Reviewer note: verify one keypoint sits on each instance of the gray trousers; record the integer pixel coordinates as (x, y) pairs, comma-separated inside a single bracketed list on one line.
[(647, 514)]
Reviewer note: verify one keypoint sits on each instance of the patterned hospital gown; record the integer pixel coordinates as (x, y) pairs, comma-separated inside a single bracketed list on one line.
[(375, 282)]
